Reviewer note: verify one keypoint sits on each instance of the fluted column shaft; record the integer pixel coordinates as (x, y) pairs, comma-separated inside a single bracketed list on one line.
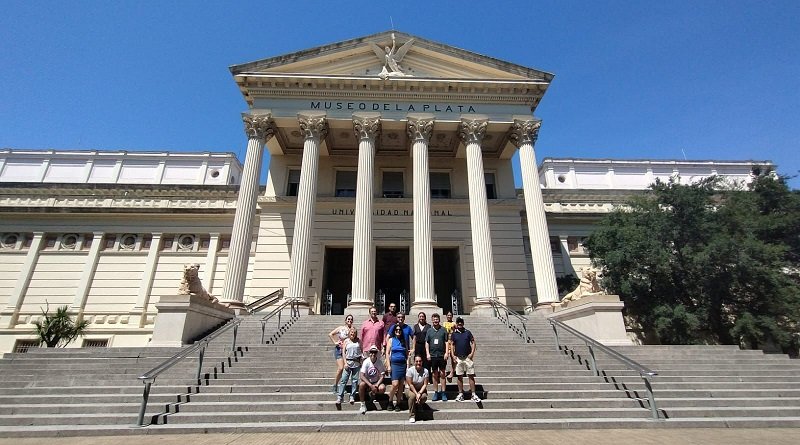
[(259, 128), (366, 130), (314, 128), (419, 131), (524, 135), (471, 132)]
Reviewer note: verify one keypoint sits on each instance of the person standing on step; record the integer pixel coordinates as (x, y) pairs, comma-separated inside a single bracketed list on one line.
[(437, 348), (338, 336), (371, 380), (351, 349), (450, 326), (373, 331), (408, 331), (396, 362), (418, 346), (464, 351), (390, 317), (416, 388)]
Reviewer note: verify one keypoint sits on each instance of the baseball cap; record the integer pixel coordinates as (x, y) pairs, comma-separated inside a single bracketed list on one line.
[(373, 349)]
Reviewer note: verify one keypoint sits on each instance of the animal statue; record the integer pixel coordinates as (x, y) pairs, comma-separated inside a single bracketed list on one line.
[(191, 285), (588, 286)]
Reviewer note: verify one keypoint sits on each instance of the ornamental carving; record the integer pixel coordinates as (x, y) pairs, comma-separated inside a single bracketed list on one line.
[(472, 130), (420, 129), (524, 132), (313, 127), (391, 58), (366, 127), (259, 126)]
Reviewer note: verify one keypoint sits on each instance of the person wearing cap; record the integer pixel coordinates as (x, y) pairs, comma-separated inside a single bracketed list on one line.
[(371, 380), (464, 350)]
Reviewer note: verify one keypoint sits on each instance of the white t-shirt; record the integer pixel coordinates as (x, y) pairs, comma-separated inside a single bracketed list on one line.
[(416, 377), (373, 371), (352, 353)]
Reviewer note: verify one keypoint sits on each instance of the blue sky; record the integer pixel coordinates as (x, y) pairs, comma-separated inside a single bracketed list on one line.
[(704, 79)]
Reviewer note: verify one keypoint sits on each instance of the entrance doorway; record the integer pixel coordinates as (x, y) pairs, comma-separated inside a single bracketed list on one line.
[(392, 273), (446, 277), (338, 279)]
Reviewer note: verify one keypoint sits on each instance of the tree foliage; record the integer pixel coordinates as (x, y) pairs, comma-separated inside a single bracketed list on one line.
[(58, 329), (707, 262)]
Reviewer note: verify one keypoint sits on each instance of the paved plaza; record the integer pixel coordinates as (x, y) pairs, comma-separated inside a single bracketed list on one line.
[(699, 436)]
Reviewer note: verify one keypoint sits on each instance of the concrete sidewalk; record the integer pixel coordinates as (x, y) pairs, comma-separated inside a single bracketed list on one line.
[(691, 436)]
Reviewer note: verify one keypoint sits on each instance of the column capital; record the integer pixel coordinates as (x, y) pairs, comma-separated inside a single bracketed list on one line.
[(366, 127), (313, 126), (525, 131), (259, 126), (472, 130), (420, 129)]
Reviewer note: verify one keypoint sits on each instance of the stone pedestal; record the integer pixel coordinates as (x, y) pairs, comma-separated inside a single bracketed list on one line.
[(597, 316), (183, 318)]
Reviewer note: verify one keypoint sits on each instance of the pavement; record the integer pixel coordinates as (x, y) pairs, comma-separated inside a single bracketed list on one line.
[(690, 436)]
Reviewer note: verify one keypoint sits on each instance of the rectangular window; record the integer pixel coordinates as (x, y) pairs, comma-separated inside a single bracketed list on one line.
[(392, 184), (294, 183), (440, 185), (22, 346), (102, 343), (491, 189), (555, 244), (346, 183)]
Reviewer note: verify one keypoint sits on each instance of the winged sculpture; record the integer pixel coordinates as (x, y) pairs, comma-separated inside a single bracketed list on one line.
[(391, 58)]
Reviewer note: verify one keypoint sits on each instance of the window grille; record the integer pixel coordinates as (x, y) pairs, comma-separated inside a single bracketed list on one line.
[(22, 346)]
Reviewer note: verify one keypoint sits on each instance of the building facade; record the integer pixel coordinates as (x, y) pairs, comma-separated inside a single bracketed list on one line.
[(390, 180)]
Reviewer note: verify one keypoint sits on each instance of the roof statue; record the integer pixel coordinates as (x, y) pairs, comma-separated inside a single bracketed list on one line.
[(391, 58)]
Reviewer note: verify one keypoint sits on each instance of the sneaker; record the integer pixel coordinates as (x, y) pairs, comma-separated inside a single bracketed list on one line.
[(475, 398), (338, 400), (444, 396), (412, 419), (363, 409), (460, 397), (435, 396), (352, 400)]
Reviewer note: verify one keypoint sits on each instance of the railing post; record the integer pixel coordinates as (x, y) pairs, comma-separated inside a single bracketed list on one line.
[(555, 332), (525, 330), (235, 331), (594, 361), (263, 329), (143, 408), (651, 398), (200, 362)]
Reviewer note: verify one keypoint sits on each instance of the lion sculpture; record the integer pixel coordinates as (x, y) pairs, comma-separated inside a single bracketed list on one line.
[(588, 286), (191, 285)]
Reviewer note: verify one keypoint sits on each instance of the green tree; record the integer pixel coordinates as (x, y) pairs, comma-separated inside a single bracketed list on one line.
[(58, 329), (707, 262)]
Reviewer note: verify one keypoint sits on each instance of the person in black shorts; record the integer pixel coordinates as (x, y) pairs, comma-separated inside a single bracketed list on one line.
[(437, 348)]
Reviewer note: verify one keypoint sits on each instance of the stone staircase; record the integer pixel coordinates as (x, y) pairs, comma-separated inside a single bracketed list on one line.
[(286, 386)]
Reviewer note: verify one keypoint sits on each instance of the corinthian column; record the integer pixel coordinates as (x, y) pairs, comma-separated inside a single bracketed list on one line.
[(419, 131), (523, 135), (259, 128), (314, 128), (367, 128), (471, 132)]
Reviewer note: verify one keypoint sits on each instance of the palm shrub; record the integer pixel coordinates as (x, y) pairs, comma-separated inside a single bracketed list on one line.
[(58, 329)]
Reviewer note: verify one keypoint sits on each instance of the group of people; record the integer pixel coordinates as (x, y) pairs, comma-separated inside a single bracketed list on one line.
[(412, 357)]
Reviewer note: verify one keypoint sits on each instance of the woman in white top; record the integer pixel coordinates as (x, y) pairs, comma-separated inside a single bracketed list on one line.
[(338, 336), (351, 349)]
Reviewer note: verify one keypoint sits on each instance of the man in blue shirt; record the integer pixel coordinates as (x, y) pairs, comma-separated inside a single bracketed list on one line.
[(408, 331), (464, 350)]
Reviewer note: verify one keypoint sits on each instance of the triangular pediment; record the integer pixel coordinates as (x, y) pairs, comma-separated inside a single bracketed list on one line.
[(416, 57)]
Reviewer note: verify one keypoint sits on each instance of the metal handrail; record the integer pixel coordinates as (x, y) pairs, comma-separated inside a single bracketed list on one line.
[(644, 372), (257, 305), (294, 311), (497, 306), (149, 377)]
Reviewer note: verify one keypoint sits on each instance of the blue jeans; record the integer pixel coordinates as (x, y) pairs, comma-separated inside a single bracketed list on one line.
[(352, 375)]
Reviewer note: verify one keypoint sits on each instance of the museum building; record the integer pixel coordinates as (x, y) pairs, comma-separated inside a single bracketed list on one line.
[(390, 180)]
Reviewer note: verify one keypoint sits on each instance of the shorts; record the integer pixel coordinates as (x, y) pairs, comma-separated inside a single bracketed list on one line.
[(438, 364), (337, 352), (399, 371), (464, 366)]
